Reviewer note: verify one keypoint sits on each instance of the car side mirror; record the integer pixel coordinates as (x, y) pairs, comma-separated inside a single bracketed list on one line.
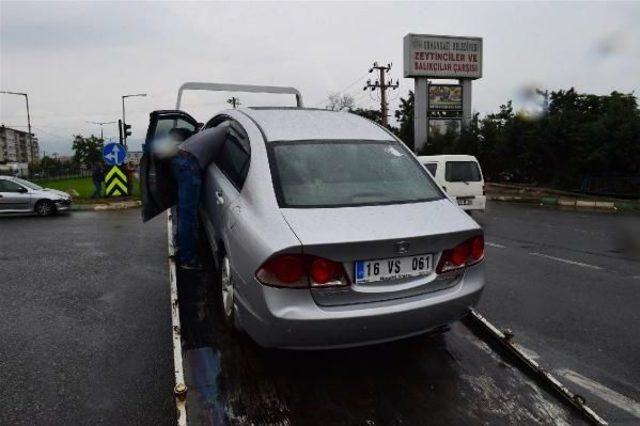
[(23, 190)]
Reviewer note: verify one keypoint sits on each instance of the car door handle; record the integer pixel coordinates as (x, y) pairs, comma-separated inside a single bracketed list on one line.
[(219, 198)]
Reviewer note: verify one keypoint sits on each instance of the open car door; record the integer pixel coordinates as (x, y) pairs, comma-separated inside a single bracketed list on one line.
[(157, 184)]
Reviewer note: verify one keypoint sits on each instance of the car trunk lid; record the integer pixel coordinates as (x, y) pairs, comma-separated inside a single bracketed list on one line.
[(348, 234)]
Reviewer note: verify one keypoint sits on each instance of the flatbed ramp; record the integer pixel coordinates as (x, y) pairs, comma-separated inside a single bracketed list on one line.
[(453, 378), (459, 377)]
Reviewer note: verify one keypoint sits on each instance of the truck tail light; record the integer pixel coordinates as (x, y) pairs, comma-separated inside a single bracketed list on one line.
[(464, 254), (301, 271)]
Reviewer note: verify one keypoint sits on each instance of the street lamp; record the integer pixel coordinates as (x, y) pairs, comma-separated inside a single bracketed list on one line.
[(101, 123), (26, 97), (123, 115)]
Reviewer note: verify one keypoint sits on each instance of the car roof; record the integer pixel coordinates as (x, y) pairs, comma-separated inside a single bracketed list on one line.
[(287, 124), (447, 157)]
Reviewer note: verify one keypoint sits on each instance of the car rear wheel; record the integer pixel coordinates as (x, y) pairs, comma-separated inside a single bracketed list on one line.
[(225, 293), (45, 208)]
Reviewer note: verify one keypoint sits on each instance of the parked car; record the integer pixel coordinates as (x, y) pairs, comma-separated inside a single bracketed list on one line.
[(326, 230), (460, 176), (21, 196)]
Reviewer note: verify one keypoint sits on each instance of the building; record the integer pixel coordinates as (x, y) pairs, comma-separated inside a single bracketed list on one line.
[(16, 146)]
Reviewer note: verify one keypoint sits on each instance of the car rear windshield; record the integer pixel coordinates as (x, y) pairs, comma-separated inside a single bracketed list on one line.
[(462, 171), (347, 173)]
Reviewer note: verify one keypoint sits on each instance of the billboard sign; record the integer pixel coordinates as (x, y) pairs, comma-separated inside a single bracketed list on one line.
[(436, 56), (445, 97), (442, 126)]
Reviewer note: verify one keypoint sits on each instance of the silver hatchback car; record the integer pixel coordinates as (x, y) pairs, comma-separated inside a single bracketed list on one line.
[(326, 230), (21, 196)]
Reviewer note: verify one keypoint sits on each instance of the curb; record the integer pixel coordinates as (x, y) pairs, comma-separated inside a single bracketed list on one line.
[(111, 206), (554, 201)]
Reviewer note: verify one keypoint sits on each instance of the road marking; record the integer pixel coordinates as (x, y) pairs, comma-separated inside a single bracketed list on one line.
[(496, 245), (612, 397), (570, 262)]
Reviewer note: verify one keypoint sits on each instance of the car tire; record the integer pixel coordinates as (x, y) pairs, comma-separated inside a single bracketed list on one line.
[(45, 208), (224, 295)]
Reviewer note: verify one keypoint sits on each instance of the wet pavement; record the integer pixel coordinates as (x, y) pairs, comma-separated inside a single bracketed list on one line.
[(84, 303), (85, 320), (567, 282)]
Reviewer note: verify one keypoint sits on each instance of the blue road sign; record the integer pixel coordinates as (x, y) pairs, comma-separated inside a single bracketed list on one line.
[(114, 154)]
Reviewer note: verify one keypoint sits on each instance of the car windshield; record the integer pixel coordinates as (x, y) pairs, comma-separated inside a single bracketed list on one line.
[(347, 173), (462, 171), (26, 183)]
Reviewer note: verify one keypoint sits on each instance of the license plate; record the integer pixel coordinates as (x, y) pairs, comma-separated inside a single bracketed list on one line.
[(368, 271), (464, 201)]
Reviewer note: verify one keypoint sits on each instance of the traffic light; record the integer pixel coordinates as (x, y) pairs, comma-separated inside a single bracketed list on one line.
[(127, 130), (120, 129)]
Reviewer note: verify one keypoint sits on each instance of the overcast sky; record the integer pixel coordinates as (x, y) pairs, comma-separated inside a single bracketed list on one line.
[(76, 59)]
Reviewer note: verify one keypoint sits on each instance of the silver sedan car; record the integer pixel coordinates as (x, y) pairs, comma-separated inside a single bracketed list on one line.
[(21, 196), (326, 230)]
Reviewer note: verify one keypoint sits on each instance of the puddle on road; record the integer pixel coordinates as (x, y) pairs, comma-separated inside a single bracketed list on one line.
[(445, 379)]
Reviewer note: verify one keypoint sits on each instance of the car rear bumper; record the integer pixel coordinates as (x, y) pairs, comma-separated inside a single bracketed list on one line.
[(291, 318), (477, 203)]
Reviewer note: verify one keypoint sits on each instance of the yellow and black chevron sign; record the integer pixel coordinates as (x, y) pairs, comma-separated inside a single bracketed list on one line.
[(116, 181)]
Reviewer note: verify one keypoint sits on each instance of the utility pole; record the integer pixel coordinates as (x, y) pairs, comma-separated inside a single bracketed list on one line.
[(125, 127), (235, 101), (383, 86), (26, 97)]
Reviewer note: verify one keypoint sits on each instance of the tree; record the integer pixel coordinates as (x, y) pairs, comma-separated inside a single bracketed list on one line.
[(404, 116), (87, 151), (340, 102)]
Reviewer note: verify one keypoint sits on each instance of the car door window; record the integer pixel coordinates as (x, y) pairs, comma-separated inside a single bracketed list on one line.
[(462, 171), (8, 186), (167, 124), (233, 161)]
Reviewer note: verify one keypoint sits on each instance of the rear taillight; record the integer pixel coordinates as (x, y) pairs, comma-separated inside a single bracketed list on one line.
[(300, 270), (287, 269), (464, 254)]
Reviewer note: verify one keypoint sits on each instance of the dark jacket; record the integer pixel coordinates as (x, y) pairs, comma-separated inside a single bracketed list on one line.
[(98, 174)]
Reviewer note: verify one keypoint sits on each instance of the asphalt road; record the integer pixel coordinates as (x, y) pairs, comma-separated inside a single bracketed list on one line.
[(85, 320), (85, 327), (567, 283)]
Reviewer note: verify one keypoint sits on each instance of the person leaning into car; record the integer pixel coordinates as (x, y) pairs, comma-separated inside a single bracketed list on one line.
[(188, 160)]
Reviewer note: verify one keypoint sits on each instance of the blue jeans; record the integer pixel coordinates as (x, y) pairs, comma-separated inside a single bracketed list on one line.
[(186, 170), (97, 192)]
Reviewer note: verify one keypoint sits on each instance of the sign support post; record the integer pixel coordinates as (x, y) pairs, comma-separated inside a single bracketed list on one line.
[(420, 130), (466, 101)]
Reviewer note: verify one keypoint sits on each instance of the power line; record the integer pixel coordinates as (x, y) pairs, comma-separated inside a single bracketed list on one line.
[(346, 88), (383, 86)]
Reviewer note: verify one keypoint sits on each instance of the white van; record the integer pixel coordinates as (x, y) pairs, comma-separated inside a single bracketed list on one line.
[(460, 176)]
